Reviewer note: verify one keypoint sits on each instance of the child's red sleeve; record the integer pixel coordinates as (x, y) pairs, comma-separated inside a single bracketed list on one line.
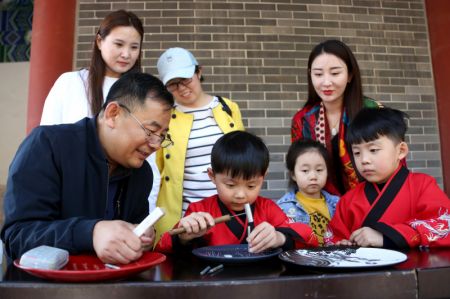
[(338, 228), (430, 226)]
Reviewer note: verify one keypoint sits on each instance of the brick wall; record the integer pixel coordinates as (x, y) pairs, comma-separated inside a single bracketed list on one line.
[(255, 52)]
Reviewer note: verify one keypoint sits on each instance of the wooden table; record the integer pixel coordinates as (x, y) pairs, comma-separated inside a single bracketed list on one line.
[(426, 274)]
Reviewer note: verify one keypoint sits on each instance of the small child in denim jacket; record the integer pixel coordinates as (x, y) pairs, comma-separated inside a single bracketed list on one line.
[(306, 202)]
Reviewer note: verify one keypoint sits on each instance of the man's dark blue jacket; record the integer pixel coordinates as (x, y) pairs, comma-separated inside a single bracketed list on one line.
[(57, 190)]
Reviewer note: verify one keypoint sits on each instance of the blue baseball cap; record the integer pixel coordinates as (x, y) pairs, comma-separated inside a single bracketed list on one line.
[(176, 63)]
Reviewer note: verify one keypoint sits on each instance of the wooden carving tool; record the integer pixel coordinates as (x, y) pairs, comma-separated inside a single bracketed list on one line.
[(224, 218)]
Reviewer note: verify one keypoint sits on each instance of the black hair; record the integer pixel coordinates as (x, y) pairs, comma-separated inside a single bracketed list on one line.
[(133, 89), (300, 147), (353, 96), (197, 70), (372, 123), (240, 154)]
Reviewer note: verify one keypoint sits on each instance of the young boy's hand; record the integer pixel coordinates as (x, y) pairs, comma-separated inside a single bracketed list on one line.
[(367, 237), (344, 242), (196, 225), (263, 237)]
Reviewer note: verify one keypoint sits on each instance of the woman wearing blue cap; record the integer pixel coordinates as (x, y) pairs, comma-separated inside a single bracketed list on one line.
[(198, 120)]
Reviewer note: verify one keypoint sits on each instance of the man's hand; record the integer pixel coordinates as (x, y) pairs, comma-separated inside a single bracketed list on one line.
[(263, 237), (148, 238), (114, 242), (367, 237)]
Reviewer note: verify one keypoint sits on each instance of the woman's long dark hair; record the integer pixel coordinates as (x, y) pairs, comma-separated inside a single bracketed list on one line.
[(97, 68), (353, 97)]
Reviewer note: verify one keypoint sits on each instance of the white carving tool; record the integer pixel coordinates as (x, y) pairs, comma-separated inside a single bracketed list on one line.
[(151, 219), (248, 212)]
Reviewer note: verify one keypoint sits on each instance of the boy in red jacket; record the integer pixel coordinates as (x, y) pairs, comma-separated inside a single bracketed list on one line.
[(239, 163), (394, 208)]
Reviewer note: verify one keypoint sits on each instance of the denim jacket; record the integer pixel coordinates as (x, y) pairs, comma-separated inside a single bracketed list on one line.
[(295, 211)]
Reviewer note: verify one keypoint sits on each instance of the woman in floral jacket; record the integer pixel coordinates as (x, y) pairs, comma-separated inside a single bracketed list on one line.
[(334, 98)]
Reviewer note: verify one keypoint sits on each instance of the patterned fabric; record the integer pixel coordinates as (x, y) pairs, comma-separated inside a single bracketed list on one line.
[(410, 210), (432, 230), (15, 30), (319, 216), (321, 125)]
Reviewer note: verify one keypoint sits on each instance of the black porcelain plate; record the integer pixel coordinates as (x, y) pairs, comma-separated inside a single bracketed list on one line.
[(233, 254)]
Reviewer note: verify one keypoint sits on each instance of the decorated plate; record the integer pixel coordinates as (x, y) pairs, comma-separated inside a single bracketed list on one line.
[(89, 268), (345, 257), (233, 254)]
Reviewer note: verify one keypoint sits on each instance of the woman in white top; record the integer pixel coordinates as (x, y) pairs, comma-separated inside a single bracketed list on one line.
[(116, 51)]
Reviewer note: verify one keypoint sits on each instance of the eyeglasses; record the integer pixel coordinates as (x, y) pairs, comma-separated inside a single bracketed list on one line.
[(152, 138), (175, 85)]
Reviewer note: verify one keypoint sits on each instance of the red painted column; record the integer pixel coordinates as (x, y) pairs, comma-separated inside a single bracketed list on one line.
[(52, 43), (438, 15)]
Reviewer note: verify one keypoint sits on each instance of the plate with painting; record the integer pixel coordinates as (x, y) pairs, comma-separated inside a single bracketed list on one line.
[(343, 257)]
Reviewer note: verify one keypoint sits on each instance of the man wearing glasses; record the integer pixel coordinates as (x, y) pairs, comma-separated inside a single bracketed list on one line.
[(83, 187)]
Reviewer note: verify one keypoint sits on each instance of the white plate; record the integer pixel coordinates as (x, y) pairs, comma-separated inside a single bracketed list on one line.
[(343, 258)]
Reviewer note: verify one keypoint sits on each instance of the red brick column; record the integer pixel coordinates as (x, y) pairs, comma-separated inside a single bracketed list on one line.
[(438, 15), (52, 46)]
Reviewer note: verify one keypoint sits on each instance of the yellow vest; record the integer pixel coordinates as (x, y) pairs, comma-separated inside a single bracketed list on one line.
[(171, 160)]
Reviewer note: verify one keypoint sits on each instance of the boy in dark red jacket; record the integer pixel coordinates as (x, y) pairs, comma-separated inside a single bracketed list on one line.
[(394, 208), (239, 163)]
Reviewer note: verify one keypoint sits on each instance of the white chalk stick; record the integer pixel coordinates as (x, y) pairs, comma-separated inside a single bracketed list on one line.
[(248, 211), (148, 221)]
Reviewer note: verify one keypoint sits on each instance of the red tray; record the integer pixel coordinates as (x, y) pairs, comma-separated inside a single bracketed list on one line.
[(81, 268)]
